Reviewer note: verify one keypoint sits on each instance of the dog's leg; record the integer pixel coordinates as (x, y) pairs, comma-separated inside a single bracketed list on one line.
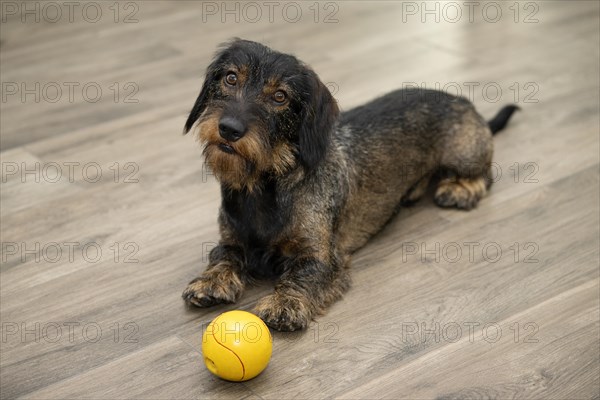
[(306, 288), (460, 192), (222, 282), (466, 155), (417, 191)]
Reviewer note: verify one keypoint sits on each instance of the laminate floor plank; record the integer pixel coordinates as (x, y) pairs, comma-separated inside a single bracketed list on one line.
[(82, 324)]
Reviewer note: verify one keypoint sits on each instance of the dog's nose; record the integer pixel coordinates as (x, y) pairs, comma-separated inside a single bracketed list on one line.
[(231, 129)]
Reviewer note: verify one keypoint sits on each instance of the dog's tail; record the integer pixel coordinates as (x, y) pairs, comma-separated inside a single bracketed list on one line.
[(498, 123)]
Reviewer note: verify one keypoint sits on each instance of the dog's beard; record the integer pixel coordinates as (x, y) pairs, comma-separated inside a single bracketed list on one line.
[(235, 164)]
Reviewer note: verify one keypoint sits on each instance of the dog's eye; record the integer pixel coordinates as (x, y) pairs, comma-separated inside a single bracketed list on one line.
[(231, 79), (279, 96)]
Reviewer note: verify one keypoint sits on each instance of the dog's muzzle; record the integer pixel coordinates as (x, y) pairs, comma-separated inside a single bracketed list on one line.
[(231, 129)]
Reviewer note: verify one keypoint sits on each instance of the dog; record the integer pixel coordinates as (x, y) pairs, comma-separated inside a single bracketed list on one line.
[(304, 186)]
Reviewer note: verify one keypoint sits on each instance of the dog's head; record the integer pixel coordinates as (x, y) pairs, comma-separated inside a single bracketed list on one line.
[(261, 112)]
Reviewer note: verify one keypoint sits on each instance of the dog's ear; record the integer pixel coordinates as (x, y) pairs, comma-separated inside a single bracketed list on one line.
[(319, 116), (203, 97), (198, 108), (212, 74)]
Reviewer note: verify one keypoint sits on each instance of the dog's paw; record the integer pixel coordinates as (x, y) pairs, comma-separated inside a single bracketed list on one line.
[(460, 193), (218, 285), (284, 312)]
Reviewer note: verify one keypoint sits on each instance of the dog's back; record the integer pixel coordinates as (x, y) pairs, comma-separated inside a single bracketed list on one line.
[(395, 143), (303, 189)]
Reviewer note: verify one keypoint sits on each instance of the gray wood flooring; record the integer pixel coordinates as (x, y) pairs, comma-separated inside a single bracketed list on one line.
[(499, 302)]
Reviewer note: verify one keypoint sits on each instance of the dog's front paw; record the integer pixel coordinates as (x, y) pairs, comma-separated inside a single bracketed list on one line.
[(284, 312), (220, 284)]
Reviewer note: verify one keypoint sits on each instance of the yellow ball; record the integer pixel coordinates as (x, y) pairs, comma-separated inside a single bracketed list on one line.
[(237, 346)]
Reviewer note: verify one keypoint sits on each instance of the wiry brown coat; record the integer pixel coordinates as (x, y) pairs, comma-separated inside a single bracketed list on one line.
[(303, 187)]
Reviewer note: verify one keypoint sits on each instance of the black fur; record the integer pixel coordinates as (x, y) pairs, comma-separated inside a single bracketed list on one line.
[(202, 99), (313, 108), (303, 189), (319, 115), (498, 123), (257, 218)]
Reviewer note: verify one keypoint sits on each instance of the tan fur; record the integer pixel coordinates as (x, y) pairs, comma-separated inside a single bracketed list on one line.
[(282, 159), (463, 193), (289, 310), (232, 169), (219, 284), (309, 187)]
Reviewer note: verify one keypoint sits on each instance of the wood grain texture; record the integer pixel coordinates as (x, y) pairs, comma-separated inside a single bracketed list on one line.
[(430, 291)]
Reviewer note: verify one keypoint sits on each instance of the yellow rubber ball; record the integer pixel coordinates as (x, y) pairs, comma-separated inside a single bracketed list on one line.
[(237, 346)]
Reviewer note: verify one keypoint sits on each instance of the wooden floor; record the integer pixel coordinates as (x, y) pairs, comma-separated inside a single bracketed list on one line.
[(499, 302)]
